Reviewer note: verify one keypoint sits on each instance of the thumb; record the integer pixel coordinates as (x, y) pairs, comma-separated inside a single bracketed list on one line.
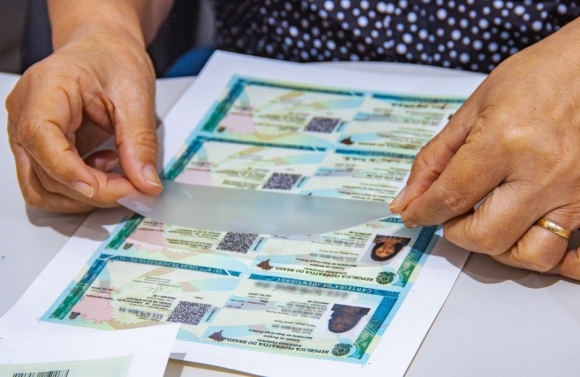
[(135, 135), (435, 155)]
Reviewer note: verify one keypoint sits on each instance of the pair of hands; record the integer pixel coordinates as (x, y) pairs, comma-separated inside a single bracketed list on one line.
[(516, 138)]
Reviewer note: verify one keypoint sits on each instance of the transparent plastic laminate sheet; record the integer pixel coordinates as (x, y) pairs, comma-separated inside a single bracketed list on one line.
[(233, 210)]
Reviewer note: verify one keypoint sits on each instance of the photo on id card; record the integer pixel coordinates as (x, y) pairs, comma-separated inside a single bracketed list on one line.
[(388, 248)]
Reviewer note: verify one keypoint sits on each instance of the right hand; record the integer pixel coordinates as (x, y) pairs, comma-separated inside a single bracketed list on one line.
[(103, 78)]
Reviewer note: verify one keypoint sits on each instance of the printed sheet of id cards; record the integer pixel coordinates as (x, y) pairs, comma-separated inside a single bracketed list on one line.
[(357, 300)]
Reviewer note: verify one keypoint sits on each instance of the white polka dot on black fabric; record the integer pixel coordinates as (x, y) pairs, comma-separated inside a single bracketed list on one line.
[(468, 34)]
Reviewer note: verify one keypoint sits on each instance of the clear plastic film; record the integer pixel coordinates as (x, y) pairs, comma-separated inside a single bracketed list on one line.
[(252, 211)]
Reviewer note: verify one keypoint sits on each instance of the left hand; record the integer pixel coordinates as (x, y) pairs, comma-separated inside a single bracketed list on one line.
[(517, 137)]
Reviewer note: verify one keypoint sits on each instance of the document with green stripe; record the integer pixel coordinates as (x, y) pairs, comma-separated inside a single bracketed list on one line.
[(357, 300)]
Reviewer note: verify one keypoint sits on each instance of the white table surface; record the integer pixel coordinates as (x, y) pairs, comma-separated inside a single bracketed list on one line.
[(497, 321)]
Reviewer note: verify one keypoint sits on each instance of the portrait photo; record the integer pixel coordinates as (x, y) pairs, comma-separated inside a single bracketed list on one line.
[(384, 248)]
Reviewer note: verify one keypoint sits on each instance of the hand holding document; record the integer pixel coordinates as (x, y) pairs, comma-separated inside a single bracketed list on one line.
[(354, 298)]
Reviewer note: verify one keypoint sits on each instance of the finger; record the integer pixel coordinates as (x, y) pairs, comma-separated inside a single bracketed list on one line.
[(136, 136), (569, 265), (41, 191), (51, 112), (113, 186), (468, 178), (500, 220), (105, 160), (433, 158), (34, 193), (540, 249)]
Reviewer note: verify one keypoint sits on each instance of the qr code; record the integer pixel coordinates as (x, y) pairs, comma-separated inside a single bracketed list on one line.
[(281, 181), (188, 313), (238, 242), (324, 125)]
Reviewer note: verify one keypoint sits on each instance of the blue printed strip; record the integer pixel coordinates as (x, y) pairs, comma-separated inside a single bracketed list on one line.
[(414, 256), (372, 328), (179, 164), (315, 89), (80, 288)]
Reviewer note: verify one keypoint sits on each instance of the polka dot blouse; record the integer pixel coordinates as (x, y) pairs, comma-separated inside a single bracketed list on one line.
[(474, 35)]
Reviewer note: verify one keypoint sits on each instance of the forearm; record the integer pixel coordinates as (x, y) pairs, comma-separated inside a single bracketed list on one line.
[(138, 19)]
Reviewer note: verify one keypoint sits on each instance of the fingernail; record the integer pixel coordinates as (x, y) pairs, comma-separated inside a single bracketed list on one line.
[(397, 201), (150, 175), (111, 164), (83, 188)]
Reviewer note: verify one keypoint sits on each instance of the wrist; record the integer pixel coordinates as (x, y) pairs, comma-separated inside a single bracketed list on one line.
[(72, 20), (562, 45)]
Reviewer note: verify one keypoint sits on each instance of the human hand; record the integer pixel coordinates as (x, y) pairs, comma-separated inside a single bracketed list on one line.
[(516, 139), (104, 78)]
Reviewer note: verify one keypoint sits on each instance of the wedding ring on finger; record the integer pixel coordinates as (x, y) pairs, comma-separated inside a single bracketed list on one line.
[(554, 228)]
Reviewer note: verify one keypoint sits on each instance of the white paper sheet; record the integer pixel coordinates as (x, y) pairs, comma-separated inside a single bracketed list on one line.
[(141, 352), (413, 318)]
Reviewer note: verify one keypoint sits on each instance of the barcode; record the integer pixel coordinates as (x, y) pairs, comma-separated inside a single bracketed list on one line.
[(324, 125), (237, 242), (188, 313), (50, 373), (282, 181)]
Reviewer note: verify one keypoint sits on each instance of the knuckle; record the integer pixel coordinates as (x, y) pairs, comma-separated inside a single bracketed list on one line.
[(538, 264), (451, 199), (14, 106), (535, 259), (51, 185), (11, 103), (48, 183), (498, 129), (144, 140), (27, 134), (544, 262), (489, 244), (46, 179), (104, 201), (484, 240), (541, 151), (421, 162), (426, 159), (33, 199), (571, 267), (544, 267), (499, 238)]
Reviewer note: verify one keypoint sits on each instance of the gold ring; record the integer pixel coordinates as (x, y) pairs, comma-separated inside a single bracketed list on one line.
[(554, 228)]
